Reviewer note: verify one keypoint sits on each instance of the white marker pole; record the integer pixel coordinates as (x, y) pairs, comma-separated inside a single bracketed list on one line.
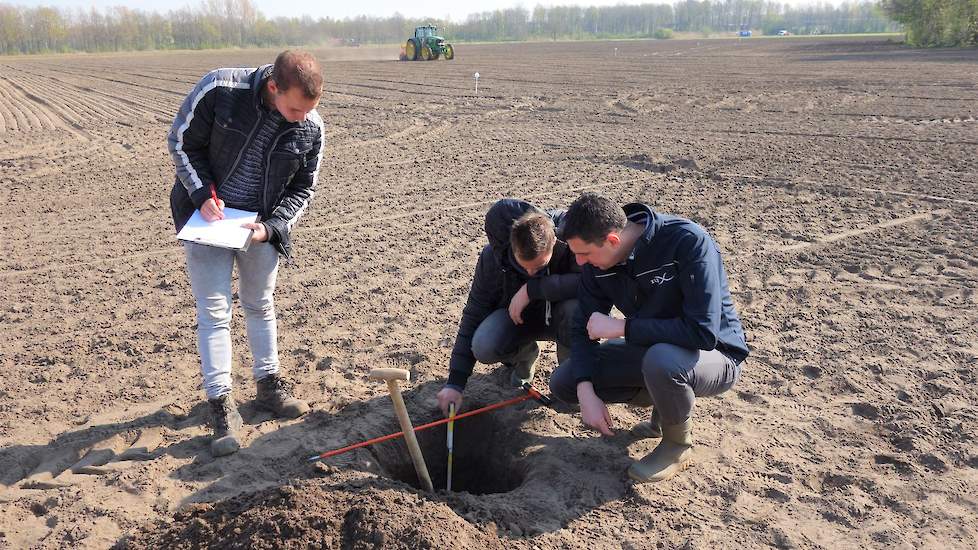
[(451, 445), (616, 52), (476, 75)]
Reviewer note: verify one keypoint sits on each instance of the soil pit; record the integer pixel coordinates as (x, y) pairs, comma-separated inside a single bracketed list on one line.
[(487, 455)]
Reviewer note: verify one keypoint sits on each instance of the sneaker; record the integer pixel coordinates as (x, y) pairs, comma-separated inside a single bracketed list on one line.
[(226, 422), (275, 395)]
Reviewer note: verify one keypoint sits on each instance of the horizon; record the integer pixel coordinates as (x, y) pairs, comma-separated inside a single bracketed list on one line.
[(366, 8)]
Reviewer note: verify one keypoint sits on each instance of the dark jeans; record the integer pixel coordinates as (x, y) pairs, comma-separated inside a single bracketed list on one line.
[(666, 376), (499, 340)]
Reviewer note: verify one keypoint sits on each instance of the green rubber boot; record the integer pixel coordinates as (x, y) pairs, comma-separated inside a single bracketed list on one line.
[(670, 457), (650, 429), (525, 367)]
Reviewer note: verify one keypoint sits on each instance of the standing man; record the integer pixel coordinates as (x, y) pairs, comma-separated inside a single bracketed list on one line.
[(249, 139), (680, 337), (523, 291)]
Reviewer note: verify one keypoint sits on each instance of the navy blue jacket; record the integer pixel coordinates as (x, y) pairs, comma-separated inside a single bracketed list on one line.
[(672, 289), (498, 277)]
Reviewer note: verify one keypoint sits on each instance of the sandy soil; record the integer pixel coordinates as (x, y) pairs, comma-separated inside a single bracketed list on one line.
[(838, 176)]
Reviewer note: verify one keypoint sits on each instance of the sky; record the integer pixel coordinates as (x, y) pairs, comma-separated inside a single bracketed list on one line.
[(454, 10)]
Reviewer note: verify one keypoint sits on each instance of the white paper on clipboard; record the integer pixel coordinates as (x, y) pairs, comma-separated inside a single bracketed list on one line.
[(226, 233)]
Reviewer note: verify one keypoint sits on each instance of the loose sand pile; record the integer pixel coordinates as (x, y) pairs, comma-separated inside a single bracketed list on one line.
[(318, 515)]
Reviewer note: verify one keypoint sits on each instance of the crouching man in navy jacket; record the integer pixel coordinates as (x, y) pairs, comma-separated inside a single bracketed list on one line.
[(680, 338)]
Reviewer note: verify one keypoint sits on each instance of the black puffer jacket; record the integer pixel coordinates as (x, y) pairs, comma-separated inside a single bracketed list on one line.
[(498, 277)]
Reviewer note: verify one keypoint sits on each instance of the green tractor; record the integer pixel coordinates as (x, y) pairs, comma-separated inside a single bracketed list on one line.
[(426, 45)]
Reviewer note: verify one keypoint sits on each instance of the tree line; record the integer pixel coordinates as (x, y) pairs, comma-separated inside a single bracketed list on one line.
[(237, 23), (705, 17), (937, 22)]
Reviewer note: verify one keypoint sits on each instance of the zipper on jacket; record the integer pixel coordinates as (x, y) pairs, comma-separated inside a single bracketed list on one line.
[(505, 280), (268, 160), (264, 191), (546, 316), (247, 144)]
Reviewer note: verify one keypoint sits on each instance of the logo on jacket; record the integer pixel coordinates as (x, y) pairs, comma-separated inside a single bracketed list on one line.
[(660, 278)]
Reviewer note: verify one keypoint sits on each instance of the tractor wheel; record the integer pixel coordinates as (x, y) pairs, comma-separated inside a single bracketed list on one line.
[(435, 54), (411, 50), (449, 52), (426, 52)]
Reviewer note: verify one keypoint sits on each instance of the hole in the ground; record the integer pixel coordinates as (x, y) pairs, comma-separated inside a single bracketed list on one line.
[(486, 455)]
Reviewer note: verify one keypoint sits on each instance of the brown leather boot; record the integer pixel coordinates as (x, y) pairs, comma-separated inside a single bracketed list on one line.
[(275, 395), (670, 457)]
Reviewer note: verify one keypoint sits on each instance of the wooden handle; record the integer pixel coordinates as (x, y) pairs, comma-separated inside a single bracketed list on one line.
[(412, 441), (390, 374)]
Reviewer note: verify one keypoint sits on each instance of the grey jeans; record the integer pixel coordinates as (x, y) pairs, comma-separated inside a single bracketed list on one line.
[(499, 340), (666, 376), (210, 270)]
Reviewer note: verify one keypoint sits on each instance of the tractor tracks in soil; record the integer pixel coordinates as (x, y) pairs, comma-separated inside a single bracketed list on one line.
[(114, 105), (429, 129), (37, 106)]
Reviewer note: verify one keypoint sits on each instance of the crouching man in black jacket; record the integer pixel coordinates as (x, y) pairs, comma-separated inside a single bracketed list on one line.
[(523, 292), (680, 339)]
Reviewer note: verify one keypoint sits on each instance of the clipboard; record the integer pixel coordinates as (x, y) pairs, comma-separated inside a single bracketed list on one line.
[(226, 233)]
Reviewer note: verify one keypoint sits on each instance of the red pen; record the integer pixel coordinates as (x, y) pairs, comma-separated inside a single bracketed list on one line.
[(214, 196)]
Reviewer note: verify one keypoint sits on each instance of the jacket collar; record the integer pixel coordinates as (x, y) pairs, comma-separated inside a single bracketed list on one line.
[(258, 80), (639, 213)]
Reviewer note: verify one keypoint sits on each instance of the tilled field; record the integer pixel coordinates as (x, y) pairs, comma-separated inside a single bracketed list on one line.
[(839, 178)]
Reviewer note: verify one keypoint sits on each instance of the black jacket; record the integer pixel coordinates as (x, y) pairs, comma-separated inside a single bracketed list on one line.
[(498, 277), (672, 289), (216, 123)]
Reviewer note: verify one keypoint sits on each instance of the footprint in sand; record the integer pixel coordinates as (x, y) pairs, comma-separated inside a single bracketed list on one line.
[(812, 371), (102, 457), (751, 398), (408, 357), (866, 410), (901, 466), (933, 463), (776, 495)]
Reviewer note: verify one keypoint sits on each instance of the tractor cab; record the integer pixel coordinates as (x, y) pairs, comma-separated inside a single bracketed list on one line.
[(426, 31)]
